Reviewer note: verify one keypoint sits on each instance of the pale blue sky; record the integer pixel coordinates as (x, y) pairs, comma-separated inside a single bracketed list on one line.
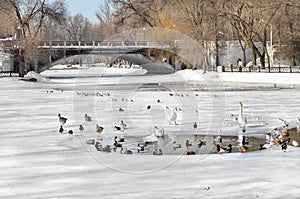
[(85, 7)]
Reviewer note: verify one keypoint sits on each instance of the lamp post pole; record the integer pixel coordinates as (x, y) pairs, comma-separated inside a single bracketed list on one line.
[(271, 45), (144, 29)]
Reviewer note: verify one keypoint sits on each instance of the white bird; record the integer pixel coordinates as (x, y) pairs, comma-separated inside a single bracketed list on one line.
[(242, 120), (173, 118), (150, 139), (295, 143)]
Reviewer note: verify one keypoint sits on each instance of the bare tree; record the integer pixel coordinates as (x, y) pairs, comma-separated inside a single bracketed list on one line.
[(77, 27)]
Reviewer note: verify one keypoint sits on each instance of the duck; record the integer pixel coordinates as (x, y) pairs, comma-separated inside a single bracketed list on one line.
[(295, 143), (87, 118), (173, 118), (117, 128), (116, 144), (176, 145), (124, 126), (243, 149), (157, 152), (98, 146), (159, 132), (218, 139), (266, 146), (242, 120), (61, 119), (99, 129), (70, 132), (140, 147), (219, 149), (121, 110), (119, 139), (195, 126), (61, 129), (227, 149), (191, 153), (81, 128), (284, 123), (148, 107), (125, 151), (284, 146)]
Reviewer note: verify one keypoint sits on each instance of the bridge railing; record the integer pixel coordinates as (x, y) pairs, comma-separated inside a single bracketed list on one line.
[(99, 44)]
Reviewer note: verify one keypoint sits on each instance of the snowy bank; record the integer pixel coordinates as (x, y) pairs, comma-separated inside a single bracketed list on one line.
[(265, 78)]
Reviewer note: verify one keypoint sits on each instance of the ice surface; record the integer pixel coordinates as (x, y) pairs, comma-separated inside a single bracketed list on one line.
[(39, 162)]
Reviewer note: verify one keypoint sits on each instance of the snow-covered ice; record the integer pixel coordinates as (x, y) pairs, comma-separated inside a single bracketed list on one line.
[(39, 162)]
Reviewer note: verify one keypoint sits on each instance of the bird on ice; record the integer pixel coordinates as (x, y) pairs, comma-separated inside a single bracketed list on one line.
[(61, 119)]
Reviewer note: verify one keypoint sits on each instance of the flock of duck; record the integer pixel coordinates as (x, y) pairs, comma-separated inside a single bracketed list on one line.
[(274, 137)]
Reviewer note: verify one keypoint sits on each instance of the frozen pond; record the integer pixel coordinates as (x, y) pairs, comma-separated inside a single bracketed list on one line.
[(39, 162)]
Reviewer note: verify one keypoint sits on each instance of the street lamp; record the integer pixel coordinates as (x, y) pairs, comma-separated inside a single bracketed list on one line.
[(144, 29), (271, 42)]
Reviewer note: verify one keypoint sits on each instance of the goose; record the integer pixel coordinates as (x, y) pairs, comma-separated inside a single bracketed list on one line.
[(61, 119), (295, 143), (99, 129), (119, 139), (81, 128), (176, 145), (173, 118), (87, 118), (61, 129), (123, 124), (242, 120), (140, 147)]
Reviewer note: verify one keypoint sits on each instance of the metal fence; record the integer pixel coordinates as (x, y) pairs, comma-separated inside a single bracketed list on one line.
[(259, 69)]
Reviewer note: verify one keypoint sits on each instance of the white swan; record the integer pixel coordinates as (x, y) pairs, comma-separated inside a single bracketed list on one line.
[(173, 118), (242, 120), (150, 139)]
